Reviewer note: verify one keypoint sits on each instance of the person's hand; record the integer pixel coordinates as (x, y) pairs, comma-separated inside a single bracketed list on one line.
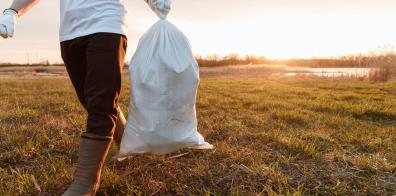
[(8, 20), (160, 7)]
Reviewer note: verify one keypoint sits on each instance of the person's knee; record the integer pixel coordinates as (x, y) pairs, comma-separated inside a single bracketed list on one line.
[(102, 106), (101, 123), (102, 117), (83, 102)]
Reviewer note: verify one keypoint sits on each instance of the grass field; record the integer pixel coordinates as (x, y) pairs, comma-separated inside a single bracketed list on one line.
[(272, 136)]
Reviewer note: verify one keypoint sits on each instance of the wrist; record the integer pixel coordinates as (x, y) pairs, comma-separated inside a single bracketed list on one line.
[(11, 11)]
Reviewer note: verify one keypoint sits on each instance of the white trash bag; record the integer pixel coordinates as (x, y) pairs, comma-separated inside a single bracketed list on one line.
[(164, 78)]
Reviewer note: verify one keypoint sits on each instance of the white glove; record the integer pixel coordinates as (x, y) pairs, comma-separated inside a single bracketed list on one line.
[(8, 22), (160, 7)]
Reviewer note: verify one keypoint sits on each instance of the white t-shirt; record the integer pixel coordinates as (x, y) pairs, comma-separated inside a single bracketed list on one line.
[(85, 17)]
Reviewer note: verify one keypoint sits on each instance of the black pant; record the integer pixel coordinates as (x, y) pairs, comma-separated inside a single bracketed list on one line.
[(94, 64)]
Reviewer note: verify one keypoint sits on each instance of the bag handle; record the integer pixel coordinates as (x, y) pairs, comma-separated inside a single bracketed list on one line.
[(160, 7)]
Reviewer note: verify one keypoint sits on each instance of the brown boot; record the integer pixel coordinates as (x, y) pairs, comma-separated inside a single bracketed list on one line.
[(93, 152), (120, 127)]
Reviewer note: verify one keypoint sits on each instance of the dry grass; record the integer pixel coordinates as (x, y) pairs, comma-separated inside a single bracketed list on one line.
[(382, 74), (273, 136)]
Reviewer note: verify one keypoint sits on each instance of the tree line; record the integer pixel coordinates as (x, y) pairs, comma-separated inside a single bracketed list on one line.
[(372, 60)]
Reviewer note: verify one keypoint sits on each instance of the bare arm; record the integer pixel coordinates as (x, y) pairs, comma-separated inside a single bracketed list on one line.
[(9, 18), (22, 6)]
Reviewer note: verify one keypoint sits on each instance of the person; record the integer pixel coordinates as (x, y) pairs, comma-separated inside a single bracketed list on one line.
[(93, 44)]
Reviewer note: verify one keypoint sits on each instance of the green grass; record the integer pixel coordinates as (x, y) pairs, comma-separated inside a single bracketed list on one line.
[(272, 136)]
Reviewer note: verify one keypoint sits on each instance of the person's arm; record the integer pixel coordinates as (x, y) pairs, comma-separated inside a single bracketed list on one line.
[(9, 18), (22, 6)]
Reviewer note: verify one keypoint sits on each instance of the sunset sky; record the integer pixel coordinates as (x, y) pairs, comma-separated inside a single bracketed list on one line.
[(274, 28)]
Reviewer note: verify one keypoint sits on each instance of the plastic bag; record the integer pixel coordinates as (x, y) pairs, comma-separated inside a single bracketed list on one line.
[(164, 78)]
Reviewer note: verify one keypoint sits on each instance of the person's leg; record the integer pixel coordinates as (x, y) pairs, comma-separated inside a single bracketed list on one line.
[(91, 157), (120, 127), (75, 59), (104, 58)]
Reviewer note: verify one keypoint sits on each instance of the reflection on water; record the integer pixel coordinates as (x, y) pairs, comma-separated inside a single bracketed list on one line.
[(328, 72)]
